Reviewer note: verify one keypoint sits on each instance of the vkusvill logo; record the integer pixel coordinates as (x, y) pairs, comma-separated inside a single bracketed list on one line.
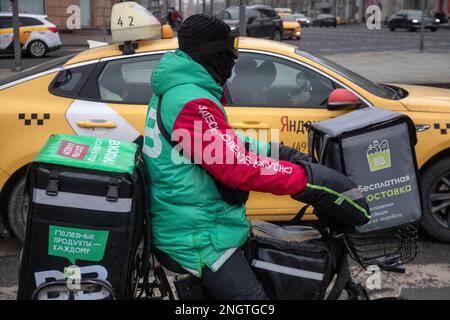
[(379, 155)]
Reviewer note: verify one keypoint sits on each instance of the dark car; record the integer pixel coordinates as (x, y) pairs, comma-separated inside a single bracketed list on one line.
[(325, 20), (411, 20), (262, 21), (303, 20)]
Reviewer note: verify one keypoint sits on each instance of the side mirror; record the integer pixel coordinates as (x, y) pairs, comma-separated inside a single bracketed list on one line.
[(343, 99)]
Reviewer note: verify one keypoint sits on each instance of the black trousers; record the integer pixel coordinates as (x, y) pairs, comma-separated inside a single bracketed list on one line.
[(235, 280)]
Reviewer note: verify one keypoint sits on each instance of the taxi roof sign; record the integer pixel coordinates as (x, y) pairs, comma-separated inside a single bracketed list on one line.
[(130, 22)]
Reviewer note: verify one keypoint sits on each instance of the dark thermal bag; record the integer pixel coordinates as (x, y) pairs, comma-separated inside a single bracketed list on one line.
[(375, 148), (291, 262), (86, 220)]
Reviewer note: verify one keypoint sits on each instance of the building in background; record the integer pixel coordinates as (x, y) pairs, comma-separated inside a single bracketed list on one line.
[(96, 14)]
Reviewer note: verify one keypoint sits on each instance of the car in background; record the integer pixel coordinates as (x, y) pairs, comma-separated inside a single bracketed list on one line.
[(291, 27), (303, 20), (283, 10), (325, 20), (38, 36), (411, 20), (262, 21)]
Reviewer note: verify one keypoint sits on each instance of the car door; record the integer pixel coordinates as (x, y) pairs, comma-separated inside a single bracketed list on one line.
[(113, 103), (274, 99), (6, 33), (402, 19), (268, 22), (254, 23)]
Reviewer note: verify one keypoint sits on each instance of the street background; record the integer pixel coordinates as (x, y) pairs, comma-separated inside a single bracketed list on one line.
[(379, 55)]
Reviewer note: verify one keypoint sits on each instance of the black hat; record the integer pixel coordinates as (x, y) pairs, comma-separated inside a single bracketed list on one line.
[(199, 29)]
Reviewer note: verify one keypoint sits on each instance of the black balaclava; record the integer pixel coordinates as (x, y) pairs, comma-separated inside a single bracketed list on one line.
[(201, 29)]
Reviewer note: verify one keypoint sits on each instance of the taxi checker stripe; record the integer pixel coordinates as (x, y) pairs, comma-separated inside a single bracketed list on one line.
[(81, 201), (287, 270)]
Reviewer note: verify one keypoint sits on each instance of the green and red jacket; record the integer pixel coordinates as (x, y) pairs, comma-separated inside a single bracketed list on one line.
[(189, 219)]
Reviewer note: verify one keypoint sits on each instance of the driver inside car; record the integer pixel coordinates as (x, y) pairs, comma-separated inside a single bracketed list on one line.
[(302, 94), (202, 171)]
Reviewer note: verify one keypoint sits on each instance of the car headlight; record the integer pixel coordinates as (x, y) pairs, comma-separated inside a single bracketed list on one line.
[(233, 27), (438, 20), (307, 21), (415, 21)]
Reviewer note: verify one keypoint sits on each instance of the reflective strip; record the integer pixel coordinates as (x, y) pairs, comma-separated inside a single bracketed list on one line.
[(216, 266), (353, 194), (81, 201), (287, 270), (194, 272)]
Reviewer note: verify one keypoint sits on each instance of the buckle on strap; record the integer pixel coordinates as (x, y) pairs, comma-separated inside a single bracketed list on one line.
[(113, 190), (53, 183)]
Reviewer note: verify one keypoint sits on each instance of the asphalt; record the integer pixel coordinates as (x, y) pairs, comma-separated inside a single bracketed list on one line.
[(426, 278)]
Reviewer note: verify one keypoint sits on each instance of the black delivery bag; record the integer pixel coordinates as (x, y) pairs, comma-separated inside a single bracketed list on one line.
[(291, 262), (375, 148), (86, 220)]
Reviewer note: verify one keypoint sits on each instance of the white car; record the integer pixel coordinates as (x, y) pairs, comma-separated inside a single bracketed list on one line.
[(37, 35)]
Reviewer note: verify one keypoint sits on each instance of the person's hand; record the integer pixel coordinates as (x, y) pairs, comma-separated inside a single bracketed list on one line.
[(334, 196), (301, 99)]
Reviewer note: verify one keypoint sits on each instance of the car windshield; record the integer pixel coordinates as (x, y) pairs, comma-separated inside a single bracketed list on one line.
[(55, 63), (287, 18), (415, 14), (378, 90), (231, 13), (299, 16)]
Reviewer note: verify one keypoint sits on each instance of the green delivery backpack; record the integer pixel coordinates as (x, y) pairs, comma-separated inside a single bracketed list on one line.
[(87, 218)]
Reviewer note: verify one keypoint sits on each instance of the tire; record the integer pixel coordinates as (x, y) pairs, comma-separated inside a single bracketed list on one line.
[(277, 35), (436, 195), (433, 29), (37, 49), (298, 38), (410, 28), (17, 209), (392, 27)]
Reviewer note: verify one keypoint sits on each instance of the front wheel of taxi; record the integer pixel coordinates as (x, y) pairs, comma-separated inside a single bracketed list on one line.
[(17, 209), (436, 200), (37, 49)]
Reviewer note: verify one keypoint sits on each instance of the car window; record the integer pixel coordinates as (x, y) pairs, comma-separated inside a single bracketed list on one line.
[(360, 81), (127, 80), (69, 82), (43, 67), (25, 22), (287, 18), (5, 22), (263, 80), (268, 13), (231, 13), (254, 14)]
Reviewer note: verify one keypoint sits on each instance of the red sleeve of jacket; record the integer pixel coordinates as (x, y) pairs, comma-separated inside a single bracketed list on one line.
[(208, 139)]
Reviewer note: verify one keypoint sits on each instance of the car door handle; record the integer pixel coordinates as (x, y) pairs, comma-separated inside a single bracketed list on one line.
[(250, 125), (96, 124)]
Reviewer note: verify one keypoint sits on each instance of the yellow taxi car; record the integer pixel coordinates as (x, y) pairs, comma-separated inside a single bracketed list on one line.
[(38, 36), (102, 92), (291, 27)]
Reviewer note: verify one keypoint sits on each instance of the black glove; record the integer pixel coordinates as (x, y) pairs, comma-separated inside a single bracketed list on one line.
[(288, 154), (334, 197)]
